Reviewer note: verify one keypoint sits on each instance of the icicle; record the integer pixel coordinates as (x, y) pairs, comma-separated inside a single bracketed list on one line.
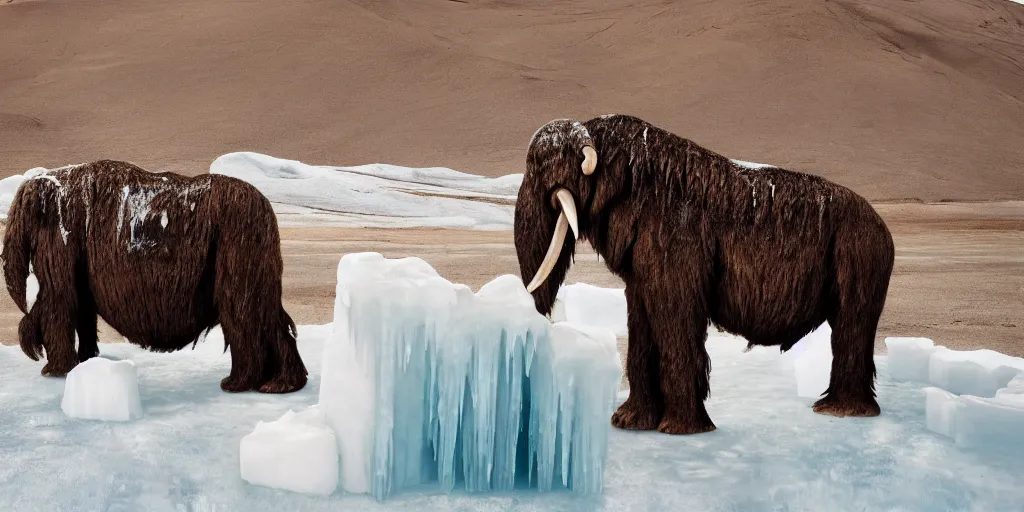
[(459, 382)]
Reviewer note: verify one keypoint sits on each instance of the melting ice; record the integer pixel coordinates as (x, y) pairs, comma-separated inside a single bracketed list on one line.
[(426, 382)]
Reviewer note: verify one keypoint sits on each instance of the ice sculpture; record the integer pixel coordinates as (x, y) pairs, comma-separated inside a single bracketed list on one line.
[(426, 382)]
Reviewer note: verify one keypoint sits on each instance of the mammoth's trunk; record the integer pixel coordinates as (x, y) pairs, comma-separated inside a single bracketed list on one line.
[(543, 246), (17, 250)]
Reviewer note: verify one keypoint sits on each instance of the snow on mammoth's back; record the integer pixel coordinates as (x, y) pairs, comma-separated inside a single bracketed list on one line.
[(426, 382)]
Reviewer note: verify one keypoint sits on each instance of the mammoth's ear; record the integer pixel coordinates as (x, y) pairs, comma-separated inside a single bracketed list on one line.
[(615, 181)]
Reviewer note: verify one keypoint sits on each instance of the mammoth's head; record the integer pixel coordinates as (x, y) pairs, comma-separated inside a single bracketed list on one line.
[(558, 183)]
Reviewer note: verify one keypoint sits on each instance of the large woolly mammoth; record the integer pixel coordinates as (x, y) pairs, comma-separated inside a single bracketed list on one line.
[(162, 258), (765, 253)]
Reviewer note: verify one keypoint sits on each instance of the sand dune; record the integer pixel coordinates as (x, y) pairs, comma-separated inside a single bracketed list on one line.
[(895, 99)]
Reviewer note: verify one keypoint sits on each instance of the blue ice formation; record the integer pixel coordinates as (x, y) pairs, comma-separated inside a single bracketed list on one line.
[(427, 383)]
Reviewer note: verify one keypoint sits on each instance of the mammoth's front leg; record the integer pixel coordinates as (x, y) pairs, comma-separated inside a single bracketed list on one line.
[(641, 411), (680, 329)]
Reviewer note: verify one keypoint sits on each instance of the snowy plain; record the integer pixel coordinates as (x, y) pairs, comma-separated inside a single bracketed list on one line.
[(375, 195)]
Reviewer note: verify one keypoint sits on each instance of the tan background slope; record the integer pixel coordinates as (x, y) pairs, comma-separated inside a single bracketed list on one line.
[(895, 99)]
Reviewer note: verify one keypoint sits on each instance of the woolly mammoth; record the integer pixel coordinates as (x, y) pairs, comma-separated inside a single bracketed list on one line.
[(765, 253), (162, 258)]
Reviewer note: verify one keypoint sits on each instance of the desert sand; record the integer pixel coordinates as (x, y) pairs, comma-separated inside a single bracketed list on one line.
[(919, 106), (894, 99)]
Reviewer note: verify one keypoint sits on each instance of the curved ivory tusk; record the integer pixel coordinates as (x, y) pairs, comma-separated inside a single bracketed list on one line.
[(554, 250), (589, 160), (569, 209)]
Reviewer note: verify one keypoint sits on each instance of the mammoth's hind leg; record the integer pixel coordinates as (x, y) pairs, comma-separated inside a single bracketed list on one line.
[(247, 360), (862, 282), (88, 346), (57, 319), (679, 326), (641, 411), (851, 388), (288, 371), (30, 336)]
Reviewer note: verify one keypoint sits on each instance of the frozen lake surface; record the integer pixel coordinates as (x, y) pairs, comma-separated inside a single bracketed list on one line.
[(770, 451)]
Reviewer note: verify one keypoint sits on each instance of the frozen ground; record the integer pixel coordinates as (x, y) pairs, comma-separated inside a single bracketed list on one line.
[(770, 451)]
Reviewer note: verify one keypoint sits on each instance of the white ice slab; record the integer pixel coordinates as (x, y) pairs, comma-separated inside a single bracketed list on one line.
[(990, 424), (993, 425), (297, 452), (972, 372), (908, 357), (941, 411), (586, 304), (101, 389), (811, 362)]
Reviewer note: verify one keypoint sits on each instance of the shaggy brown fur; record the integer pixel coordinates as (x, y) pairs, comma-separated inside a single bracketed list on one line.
[(160, 257), (768, 254)]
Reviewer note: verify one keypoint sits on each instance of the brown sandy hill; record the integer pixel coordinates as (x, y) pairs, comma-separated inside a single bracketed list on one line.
[(896, 99)]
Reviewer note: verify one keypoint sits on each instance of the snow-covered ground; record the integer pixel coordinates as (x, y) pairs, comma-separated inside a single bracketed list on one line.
[(770, 451), (376, 195)]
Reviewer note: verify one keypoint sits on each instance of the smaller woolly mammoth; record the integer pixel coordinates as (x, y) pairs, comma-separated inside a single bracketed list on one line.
[(162, 258), (765, 253)]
